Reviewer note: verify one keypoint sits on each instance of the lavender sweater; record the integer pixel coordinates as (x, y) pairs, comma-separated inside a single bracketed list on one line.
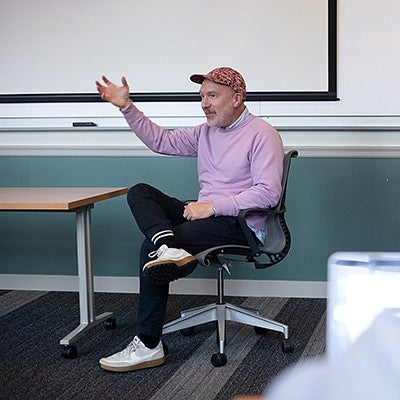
[(238, 168)]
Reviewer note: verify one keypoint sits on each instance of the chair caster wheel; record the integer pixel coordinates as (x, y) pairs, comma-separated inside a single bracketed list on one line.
[(69, 351), (218, 359), (187, 331), (260, 331), (110, 323), (287, 347)]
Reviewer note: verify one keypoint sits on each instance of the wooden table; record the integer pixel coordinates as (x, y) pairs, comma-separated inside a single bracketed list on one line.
[(80, 201)]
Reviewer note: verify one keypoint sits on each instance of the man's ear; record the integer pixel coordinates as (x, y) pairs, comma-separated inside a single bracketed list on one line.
[(237, 100)]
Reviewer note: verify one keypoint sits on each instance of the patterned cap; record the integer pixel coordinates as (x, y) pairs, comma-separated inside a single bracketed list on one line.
[(225, 76)]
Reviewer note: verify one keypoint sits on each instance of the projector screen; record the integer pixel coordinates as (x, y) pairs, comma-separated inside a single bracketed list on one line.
[(53, 51)]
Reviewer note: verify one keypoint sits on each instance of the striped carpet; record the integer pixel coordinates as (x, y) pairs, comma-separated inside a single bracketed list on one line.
[(31, 366)]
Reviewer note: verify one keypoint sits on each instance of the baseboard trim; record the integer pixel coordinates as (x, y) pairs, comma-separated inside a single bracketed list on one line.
[(112, 284)]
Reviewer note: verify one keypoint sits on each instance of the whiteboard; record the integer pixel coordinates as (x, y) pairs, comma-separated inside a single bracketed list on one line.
[(55, 50)]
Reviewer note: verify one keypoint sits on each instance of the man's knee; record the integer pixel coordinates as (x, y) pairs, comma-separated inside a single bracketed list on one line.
[(137, 190)]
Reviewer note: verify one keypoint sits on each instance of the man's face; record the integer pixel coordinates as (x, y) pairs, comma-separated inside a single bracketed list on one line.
[(221, 105)]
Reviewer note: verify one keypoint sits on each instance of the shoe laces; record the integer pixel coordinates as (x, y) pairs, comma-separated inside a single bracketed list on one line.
[(132, 346), (159, 252)]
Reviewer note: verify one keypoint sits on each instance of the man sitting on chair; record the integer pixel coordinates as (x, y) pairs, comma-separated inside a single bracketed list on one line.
[(239, 158)]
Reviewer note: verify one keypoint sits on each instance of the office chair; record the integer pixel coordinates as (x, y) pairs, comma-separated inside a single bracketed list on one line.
[(254, 255)]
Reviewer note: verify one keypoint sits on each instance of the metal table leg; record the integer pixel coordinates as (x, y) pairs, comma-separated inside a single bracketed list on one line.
[(85, 277)]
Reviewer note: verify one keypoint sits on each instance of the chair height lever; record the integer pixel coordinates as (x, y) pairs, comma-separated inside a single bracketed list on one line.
[(225, 264)]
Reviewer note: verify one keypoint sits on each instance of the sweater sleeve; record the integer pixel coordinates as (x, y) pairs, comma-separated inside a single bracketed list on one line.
[(179, 142)]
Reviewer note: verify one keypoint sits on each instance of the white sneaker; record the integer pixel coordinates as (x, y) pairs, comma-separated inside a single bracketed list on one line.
[(135, 356), (171, 264)]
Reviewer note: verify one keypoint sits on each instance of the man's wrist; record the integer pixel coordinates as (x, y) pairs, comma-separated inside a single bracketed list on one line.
[(126, 106)]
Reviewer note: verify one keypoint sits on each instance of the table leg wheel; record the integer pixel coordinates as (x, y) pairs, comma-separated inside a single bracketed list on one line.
[(69, 351), (218, 359), (287, 346)]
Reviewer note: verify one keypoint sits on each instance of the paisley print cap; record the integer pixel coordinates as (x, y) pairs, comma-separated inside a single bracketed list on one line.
[(224, 76)]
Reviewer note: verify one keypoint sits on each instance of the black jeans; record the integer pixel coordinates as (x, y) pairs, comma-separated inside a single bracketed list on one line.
[(154, 212)]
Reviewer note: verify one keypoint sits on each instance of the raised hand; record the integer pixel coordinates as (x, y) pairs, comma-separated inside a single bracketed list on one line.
[(117, 95)]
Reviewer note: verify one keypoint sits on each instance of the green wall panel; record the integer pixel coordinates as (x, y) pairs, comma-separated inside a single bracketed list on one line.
[(333, 205)]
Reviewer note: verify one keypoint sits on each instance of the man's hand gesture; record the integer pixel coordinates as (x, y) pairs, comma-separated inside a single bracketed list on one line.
[(117, 95)]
